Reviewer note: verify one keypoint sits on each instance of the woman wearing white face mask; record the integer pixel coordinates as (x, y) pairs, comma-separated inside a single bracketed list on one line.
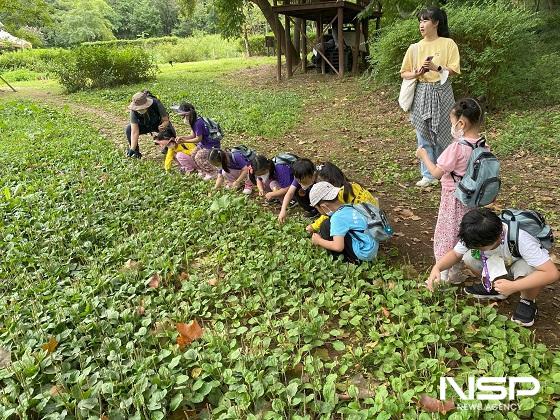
[(466, 119), (147, 115), (431, 61)]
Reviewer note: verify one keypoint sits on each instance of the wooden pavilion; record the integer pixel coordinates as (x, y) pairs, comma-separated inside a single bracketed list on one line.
[(325, 13)]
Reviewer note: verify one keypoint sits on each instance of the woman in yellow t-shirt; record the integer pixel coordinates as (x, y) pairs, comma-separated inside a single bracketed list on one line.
[(431, 61)]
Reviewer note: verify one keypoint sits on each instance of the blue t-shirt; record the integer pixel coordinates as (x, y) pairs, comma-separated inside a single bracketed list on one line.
[(347, 219)]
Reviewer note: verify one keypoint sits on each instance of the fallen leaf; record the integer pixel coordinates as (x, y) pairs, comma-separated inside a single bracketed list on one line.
[(195, 373), (433, 405), (406, 213), (213, 282), (50, 346), (493, 304), (415, 218), (183, 276), (188, 333), (5, 358), (154, 281), (132, 265), (140, 310), (56, 390), (385, 312)]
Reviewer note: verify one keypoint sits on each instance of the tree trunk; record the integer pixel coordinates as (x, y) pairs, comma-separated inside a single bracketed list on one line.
[(276, 27), (246, 40)]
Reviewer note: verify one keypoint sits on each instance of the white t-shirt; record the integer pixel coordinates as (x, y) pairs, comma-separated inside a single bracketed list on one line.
[(529, 248)]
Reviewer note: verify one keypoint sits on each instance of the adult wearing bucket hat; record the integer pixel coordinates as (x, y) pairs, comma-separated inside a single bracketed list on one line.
[(147, 115), (345, 231)]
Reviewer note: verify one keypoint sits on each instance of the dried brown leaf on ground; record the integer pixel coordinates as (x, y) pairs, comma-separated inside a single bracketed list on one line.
[(51, 345), (154, 281), (5, 358), (188, 333), (433, 405)]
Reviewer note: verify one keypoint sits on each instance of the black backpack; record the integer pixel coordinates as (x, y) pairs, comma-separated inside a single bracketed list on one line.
[(216, 132)]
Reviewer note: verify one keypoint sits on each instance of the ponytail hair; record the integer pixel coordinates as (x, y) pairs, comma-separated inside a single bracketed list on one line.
[(219, 157), (258, 164), (187, 107), (332, 174), (435, 14), (470, 109)]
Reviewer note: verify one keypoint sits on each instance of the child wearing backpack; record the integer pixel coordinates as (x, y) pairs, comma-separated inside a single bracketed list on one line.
[(201, 137), (350, 192), (466, 119), (304, 177), (274, 176), (345, 232), (233, 169), (503, 246)]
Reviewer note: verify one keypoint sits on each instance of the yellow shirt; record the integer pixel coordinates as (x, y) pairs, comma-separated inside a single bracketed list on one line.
[(186, 148), (358, 195), (444, 51)]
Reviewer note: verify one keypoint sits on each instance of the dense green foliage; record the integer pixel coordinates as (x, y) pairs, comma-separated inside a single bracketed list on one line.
[(495, 60), (39, 60), (143, 42), (288, 332), (197, 48), (93, 67)]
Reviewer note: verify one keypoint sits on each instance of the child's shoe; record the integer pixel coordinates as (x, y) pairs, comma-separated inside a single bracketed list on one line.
[(247, 191), (479, 291), (426, 182), (525, 313), (207, 177)]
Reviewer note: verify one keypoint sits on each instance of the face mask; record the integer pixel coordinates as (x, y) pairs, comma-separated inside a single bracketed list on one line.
[(457, 133)]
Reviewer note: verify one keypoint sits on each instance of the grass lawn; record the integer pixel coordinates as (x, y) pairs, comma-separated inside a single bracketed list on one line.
[(105, 259)]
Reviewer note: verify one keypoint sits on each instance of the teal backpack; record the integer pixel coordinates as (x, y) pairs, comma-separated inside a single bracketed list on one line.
[(481, 183), (378, 225), (285, 159), (531, 222), (247, 152)]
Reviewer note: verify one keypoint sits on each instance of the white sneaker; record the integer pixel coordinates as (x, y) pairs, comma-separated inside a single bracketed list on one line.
[(208, 177), (425, 182), (247, 191)]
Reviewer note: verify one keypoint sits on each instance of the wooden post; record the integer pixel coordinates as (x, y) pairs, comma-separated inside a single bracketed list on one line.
[(340, 42), (278, 49), (5, 81), (320, 39), (287, 51), (356, 52), (304, 45)]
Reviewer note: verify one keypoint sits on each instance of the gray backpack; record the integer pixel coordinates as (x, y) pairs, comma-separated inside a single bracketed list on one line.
[(215, 130), (531, 222), (378, 225), (247, 152), (481, 183), (285, 159)]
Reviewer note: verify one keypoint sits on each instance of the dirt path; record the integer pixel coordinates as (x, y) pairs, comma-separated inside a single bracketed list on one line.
[(366, 135)]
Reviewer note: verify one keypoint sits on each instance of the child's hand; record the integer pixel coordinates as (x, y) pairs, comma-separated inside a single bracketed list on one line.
[(282, 216), (505, 287), (315, 238), (433, 279), (269, 196), (421, 152), (309, 229), (261, 192)]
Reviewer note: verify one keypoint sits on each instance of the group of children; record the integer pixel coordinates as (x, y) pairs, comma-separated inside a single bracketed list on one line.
[(463, 235)]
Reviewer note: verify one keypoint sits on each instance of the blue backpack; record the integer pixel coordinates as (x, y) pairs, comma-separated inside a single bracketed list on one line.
[(481, 183)]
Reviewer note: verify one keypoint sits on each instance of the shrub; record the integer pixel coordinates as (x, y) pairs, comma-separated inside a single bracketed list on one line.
[(197, 48), (143, 42), (92, 67), (257, 44), (39, 60), (22, 75), (490, 38)]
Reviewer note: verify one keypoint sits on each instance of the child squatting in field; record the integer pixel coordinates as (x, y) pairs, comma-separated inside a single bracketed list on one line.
[(484, 249)]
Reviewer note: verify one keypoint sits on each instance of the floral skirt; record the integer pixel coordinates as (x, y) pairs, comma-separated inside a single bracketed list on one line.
[(451, 212)]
